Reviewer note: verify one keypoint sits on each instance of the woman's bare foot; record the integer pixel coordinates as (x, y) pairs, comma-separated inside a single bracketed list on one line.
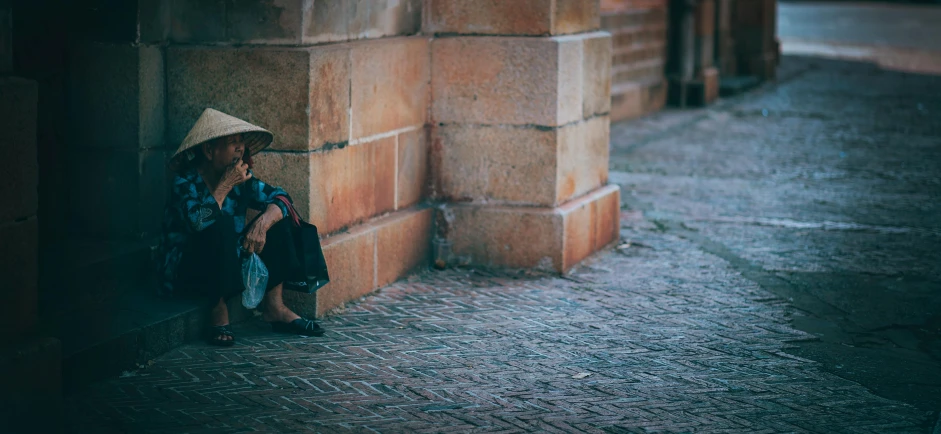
[(220, 317), (274, 308)]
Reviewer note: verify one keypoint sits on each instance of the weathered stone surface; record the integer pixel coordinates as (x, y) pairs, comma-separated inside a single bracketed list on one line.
[(19, 267), (290, 171), (389, 85), (503, 164), (412, 169), (352, 184), (596, 73), (379, 18), (403, 243), (544, 238), (117, 192), (606, 206), (518, 165), (582, 158), (265, 21), (300, 95), (336, 188), (325, 21), (329, 97), (488, 80), (575, 16), (518, 17), (196, 21), (117, 96), (501, 236), (591, 223), (490, 17), (18, 117), (328, 21), (507, 80)]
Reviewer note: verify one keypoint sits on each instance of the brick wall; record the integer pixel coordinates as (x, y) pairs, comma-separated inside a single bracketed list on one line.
[(639, 34)]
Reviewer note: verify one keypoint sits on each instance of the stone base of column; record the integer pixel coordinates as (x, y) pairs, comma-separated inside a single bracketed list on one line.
[(764, 66), (32, 386), (697, 92), (368, 256), (551, 239)]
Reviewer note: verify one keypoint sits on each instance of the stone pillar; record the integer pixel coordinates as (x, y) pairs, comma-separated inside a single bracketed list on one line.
[(693, 77), (519, 128), (726, 59), (30, 364), (755, 33)]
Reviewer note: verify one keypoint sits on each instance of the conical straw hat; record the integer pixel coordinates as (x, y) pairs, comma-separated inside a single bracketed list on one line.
[(213, 124)]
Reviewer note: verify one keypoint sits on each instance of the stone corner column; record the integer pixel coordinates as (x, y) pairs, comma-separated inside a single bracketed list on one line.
[(693, 77), (520, 132), (755, 31)]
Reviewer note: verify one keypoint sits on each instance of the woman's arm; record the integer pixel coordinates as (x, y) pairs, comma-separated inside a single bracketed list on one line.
[(265, 194), (196, 204)]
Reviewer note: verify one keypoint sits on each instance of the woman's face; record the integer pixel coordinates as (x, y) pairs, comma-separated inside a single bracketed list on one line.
[(225, 151)]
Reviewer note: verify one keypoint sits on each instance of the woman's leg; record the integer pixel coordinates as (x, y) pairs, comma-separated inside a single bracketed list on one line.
[(280, 256), (209, 269)]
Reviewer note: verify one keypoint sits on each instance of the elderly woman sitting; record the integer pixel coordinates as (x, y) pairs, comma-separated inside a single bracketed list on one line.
[(205, 228)]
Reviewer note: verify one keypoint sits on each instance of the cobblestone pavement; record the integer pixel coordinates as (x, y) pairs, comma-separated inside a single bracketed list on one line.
[(749, 230)]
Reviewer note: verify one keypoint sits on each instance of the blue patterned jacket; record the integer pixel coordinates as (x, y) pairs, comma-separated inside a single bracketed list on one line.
[(192, 208)]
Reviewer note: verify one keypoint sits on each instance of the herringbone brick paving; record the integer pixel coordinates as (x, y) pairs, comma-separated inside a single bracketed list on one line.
[(675, 340)]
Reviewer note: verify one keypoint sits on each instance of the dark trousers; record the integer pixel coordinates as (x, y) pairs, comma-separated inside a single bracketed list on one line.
[(210, 266)]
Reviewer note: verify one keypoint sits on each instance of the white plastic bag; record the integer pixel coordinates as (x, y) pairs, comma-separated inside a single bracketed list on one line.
[(255, 279)]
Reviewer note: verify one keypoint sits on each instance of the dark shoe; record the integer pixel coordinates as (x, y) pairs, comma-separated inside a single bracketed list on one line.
[(301, 326), (217, 332)]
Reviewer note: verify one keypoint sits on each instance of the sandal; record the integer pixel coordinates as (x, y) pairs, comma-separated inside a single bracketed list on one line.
[(217, 332), (301, 326)]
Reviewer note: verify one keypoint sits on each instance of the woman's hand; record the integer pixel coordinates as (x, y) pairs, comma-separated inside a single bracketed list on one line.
[(235, 174), (254, 241), (256, 236)]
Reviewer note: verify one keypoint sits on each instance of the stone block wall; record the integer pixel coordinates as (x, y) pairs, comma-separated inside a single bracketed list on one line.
[(755, 34), (520, 104), (639, 35)]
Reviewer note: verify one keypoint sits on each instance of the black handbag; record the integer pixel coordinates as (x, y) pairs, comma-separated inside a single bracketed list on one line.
[(312, 274)]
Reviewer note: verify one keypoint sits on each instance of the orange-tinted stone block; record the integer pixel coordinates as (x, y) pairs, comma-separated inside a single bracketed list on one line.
[(389, 85), (412, 167), (403, 243), (525, 237), (517, 17)]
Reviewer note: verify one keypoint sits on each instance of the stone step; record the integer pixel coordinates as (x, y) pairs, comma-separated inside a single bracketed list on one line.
[(122, 334), (81, 272)]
